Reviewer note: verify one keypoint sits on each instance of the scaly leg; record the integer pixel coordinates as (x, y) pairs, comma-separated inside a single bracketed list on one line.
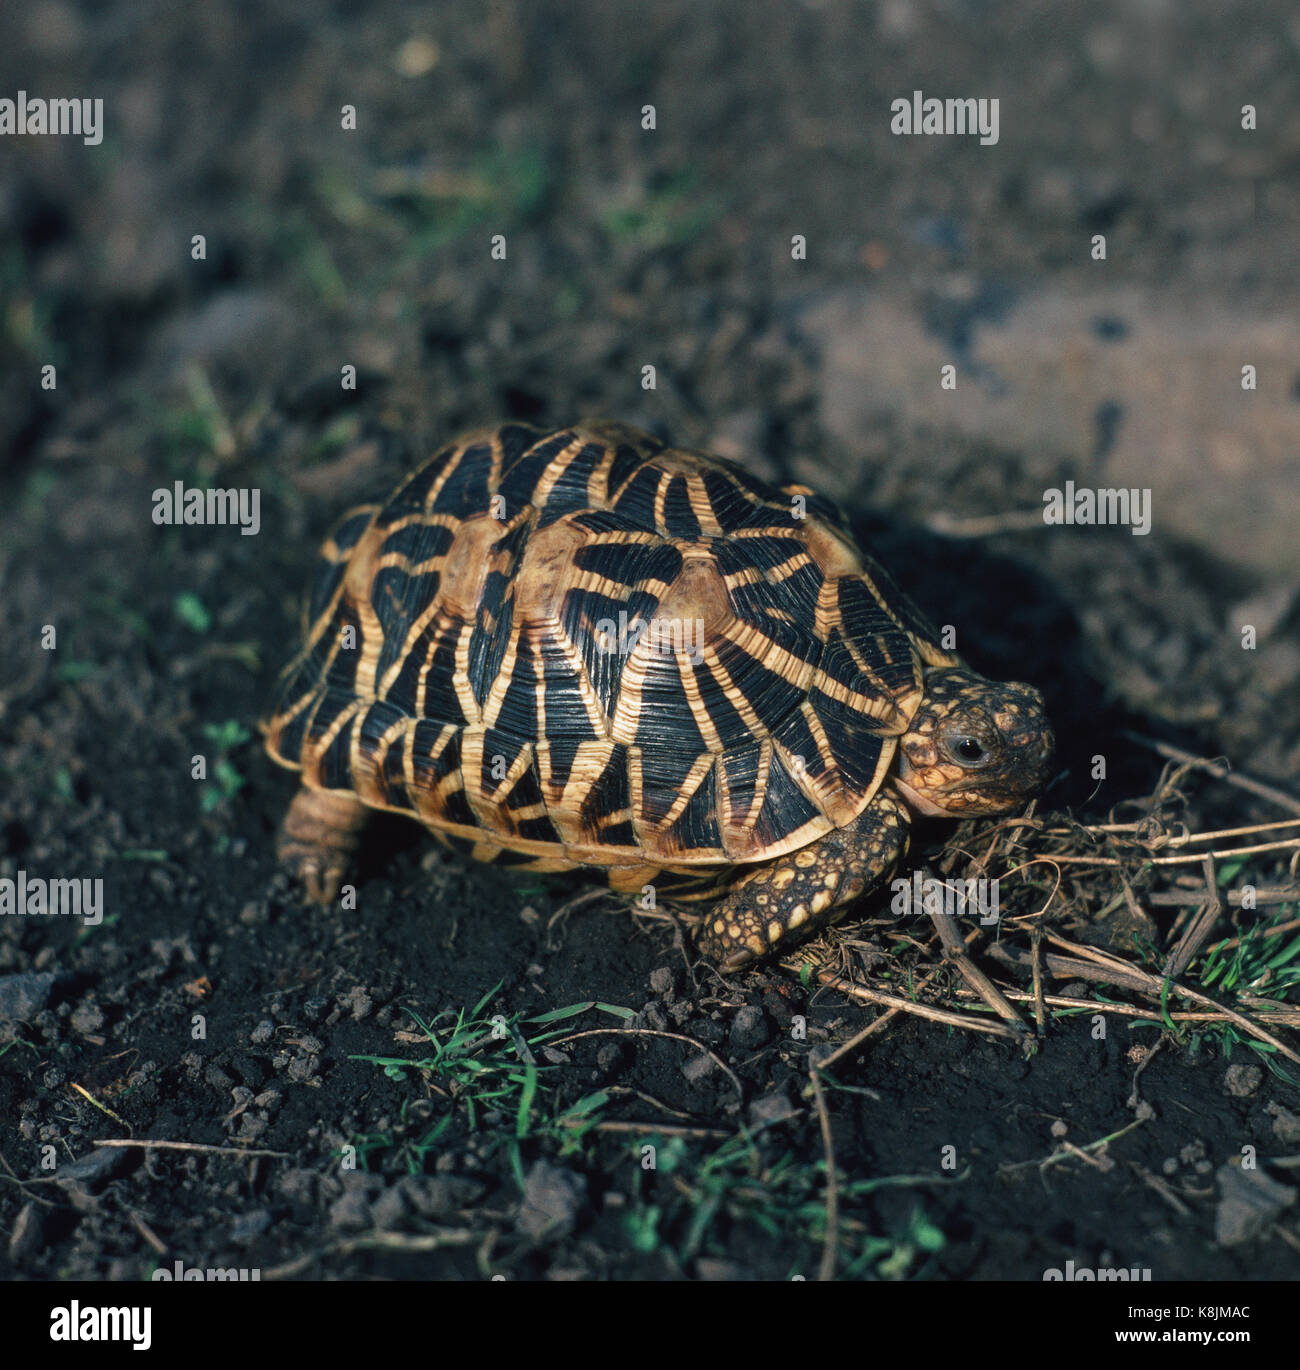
[(806, 889), (318, 839)]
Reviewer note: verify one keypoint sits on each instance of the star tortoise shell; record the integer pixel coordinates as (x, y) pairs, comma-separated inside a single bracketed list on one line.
[(586, 648)]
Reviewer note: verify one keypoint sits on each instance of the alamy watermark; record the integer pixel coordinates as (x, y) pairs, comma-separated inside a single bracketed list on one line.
[(82, 119), (932, 115), (191, 1273), (77, 1322), (35, 897), (1084, 506), (218, 507), (926, 896), (666, 635), (1072, 1274)]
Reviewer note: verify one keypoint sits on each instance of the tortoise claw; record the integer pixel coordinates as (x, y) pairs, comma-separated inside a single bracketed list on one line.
[(318, 839), (318, 875)]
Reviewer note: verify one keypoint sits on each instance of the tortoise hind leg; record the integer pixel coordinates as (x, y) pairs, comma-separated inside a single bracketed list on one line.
[(318, 839), (806, 889)]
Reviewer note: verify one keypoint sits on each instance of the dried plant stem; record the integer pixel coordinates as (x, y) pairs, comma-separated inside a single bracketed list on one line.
[(872, 1028), (1191, 858), (1098, 966), (1176, 899), (1287, 1017), (652, 1032), (954, 947), (1189, 944), (154, 1145), (827, 1271), (857, 990), (1218, 771)]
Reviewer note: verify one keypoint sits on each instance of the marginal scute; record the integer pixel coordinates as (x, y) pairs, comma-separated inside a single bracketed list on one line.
[(586, 648)]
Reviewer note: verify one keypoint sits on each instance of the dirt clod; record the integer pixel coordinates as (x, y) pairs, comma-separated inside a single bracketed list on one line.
[(1249, 1200), (1242, 1081), (22, 997), (553, 1199)]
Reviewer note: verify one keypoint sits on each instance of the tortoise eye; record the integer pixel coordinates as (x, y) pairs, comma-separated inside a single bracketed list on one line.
[(968, 750)]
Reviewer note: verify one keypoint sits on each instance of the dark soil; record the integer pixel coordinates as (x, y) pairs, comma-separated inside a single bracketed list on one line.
[(210, 1007)]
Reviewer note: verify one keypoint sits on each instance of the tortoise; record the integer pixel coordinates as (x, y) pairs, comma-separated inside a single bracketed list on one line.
[(586, 648)]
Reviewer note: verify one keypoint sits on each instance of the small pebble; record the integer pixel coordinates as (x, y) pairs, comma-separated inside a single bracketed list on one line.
[(88, 1018), (662, 980), (750, 1028)]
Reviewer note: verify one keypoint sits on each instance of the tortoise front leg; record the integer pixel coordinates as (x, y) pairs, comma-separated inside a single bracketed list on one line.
[(318, 839), (807, 889)]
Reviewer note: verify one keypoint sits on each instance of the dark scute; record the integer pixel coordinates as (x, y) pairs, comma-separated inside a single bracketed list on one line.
[(855, 745), (538, 830), (415, 491), (611, 792), (289, 746), (467, 490), (679, 517), (874, 635), (902, 605), (526, 790), (419, 541), (342, 672), (785, 806), (394, 773), (741, 768), (515, 440), (663, 772), (521, 475), (488, 643), (518, 713), (631, 564), (797, 738), (375, 721), (456, 809), (770, 695), (581, 615), (626, 460), (566, 709), (327, 575), (498, 743), (780, 617), (563, 752), (731, 508), (607, 521), (441, 703), (698, 824), (667, 718), (433, 755), (335, 765), (618, 835), (569, 493), (636, 502), (764, 553), (398, 600), (732, 729), (797, 595)]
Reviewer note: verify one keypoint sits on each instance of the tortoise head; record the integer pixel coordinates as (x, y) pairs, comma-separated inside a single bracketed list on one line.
[(976, 746)]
